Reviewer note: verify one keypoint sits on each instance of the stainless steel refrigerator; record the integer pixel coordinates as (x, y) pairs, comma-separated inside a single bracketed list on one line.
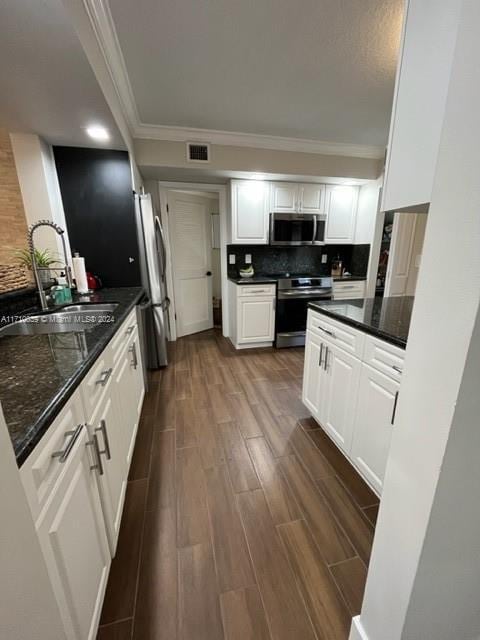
[(154, 307)]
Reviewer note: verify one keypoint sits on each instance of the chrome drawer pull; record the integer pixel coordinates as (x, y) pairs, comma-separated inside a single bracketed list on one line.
[(103, 429), (104, 377), (397, 369), (321, 353), (94, 443), (130, 329), (133, 351), (394, 411), (63, 454), (330, 333)]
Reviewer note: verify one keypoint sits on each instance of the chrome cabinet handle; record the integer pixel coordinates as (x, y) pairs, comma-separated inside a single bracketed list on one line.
[(394, 411), (330, 333), (133, 351), (326, 358), (104, 377), (321, 353), (63, 454), (397, 369), (130, 329), (103, 429), (94, 443)]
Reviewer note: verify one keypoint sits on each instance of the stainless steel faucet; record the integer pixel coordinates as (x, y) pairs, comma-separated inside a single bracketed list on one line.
[(36, 268)]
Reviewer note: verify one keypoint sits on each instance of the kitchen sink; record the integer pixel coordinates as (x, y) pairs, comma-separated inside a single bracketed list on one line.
[(75, 317)]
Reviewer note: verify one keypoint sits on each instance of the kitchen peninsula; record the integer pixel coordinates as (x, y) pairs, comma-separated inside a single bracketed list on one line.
[(354, 357)]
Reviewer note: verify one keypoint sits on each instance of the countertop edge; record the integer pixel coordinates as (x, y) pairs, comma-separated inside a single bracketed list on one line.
[(253, 280), (377, 333), (57, 403)]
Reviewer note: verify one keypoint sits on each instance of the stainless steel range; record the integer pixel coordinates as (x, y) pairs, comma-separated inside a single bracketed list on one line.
[(294, 292)]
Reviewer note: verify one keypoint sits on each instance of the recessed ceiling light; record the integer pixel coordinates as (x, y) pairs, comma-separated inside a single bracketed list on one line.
[(98, 132)]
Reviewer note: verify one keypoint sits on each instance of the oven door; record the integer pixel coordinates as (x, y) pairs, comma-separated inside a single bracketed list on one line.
[(291, 316), (292, 228)]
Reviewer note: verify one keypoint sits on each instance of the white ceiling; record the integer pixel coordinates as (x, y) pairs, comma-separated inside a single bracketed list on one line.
[(314, 69), (47, 85)]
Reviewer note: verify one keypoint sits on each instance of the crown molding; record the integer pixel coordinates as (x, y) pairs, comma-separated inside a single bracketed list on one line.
[(104, 29), (260, 141)]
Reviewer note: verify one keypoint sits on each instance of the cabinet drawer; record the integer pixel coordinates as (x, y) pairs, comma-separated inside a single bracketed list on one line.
[(384, 357), (348, 290), (120, 339), (338, 333), (256, 290), (96, 382), (40, 471)]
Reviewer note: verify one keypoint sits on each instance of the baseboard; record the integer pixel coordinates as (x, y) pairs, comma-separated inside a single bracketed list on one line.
[(357, 632)]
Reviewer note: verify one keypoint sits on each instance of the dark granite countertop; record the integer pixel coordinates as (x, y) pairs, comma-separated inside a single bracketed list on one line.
[(386, 318), (39, 373), (255, 280)]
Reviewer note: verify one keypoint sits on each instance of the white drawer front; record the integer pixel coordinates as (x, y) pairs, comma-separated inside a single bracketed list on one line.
[(348, 290), (96, 382), (120, 339), (342, 335), (40, 471), (256, 290), (384, 357)]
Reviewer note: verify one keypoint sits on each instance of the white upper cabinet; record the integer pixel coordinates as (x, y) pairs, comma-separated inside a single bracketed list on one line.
[(423, 75), (250, 208), (284, 197), (341, 207), (292, 197)]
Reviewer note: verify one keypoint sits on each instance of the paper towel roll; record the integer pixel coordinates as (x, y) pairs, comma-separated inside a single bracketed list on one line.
[(80, 274)]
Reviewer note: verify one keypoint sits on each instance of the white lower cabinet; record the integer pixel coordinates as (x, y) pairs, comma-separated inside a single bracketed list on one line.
[(75, 480), (377, 398), (107, 431), (253, 315), (72, 535), (342, 373), (351, 400)]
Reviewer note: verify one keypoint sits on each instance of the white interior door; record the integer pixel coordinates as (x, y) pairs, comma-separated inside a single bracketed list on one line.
[(190, 239), (400, 256)]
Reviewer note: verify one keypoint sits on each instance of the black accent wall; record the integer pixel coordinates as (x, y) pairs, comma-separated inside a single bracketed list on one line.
[(96, 188), (268, 260)]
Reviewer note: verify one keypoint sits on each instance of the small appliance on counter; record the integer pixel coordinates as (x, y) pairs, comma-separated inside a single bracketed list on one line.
[(337, 268), (93, 282)]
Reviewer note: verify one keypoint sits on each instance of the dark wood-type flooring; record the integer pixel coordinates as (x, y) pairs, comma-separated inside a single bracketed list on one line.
[(242, 520)]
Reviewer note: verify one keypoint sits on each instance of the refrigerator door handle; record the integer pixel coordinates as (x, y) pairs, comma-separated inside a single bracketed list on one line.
[(158, 226)]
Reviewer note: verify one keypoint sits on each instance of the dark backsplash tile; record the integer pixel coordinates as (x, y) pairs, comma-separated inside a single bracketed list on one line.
[(269, 260)]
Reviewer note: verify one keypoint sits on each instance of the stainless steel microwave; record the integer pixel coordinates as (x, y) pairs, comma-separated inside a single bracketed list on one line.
[(293, 229)]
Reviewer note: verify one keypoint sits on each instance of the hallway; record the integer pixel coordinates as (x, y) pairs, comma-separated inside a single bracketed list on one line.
[(242, 520)]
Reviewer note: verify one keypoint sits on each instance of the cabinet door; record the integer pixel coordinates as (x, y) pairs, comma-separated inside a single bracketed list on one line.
[(313, 373), (285, 197), (337, 411), (312, 198), (255, 319), (137, 389), (250, 199), (341, 206), (109, 430), (74, 542), (373, 424)]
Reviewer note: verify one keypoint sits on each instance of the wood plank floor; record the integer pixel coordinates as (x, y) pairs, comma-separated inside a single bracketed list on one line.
[(242, 520)]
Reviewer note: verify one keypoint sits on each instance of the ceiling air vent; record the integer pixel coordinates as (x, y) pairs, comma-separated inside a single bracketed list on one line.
[(198, 152)]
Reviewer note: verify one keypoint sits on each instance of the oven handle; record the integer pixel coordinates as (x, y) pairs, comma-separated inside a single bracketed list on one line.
[(314, 229), (313, 293)]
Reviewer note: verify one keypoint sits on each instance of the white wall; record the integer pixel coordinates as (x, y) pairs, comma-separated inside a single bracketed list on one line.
[(424, 575), (38, 180), (28, 609)]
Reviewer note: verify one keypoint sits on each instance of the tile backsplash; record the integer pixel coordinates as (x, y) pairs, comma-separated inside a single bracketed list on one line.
[(268, 260)]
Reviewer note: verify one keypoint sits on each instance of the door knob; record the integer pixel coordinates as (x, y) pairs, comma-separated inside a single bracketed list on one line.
[(209, 273)]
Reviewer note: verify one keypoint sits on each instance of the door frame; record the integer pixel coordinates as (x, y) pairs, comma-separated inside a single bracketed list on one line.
[(221, 190)]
